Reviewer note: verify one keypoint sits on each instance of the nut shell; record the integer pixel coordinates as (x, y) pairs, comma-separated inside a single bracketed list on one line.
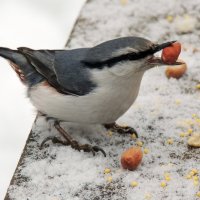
[(176, 71), (131, 158)]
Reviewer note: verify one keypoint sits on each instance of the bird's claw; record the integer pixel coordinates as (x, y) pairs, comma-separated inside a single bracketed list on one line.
[(87, 148), (126, 130), (54, 140), (121, 129), (74, 144)]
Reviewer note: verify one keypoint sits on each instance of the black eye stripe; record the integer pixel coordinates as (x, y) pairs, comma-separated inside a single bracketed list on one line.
[(112, 61), (130, 56)]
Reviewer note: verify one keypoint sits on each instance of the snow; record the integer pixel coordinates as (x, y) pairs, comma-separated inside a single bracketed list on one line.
[(37, 24), (163, 110)]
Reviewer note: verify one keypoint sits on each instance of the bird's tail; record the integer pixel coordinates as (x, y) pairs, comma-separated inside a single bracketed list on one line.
[(26, 72)]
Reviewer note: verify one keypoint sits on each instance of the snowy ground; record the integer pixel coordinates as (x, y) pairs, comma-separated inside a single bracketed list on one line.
[(164, 109), (37, 24)]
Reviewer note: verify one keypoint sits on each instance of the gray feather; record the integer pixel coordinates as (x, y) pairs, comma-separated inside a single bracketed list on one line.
[(62, 68), (71, 72)]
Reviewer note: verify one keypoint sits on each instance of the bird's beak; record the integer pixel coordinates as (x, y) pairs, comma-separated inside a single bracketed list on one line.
[(157, 61)]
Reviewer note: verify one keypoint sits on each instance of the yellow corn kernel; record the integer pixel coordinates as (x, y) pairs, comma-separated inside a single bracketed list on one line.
[(191, 173), (109, 179), (139, 143), (170, 141), (188, 176), (195, 178), (182, 134), (168, 178), (109, 133), (170, 18), (107, 171), (134, 184), (195, 171), (198, 194), (198, 86), (146, 151), (196, 183), (190, 131), (194, 115), (163, 184), (133, 136), (178, 101)]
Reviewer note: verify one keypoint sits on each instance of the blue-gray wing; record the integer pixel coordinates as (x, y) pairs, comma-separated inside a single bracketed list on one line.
[(63, 69)]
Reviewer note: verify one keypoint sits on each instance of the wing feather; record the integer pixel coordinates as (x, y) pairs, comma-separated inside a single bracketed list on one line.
[(63, 69)]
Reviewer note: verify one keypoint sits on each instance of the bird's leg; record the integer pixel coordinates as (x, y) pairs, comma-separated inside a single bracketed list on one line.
[(73, 143), (121, 129)]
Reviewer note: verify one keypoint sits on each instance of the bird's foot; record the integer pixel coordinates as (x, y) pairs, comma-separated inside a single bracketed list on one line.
[(54, 140), (87, 148), (70, 141), (121, 129)]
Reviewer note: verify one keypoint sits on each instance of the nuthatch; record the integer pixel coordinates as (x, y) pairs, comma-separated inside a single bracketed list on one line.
[(87, 85)]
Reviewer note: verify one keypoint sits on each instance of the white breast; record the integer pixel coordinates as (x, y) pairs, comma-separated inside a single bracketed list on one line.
[(112, 98)]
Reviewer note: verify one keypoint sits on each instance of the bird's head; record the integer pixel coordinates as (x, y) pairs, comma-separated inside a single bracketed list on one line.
[(126, 55)]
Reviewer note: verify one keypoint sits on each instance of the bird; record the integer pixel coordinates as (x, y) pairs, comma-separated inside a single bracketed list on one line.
[(93, 85)]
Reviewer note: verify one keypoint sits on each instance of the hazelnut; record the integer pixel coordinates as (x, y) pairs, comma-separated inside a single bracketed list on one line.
[(131, 158), (176, 71), (170, 54)]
